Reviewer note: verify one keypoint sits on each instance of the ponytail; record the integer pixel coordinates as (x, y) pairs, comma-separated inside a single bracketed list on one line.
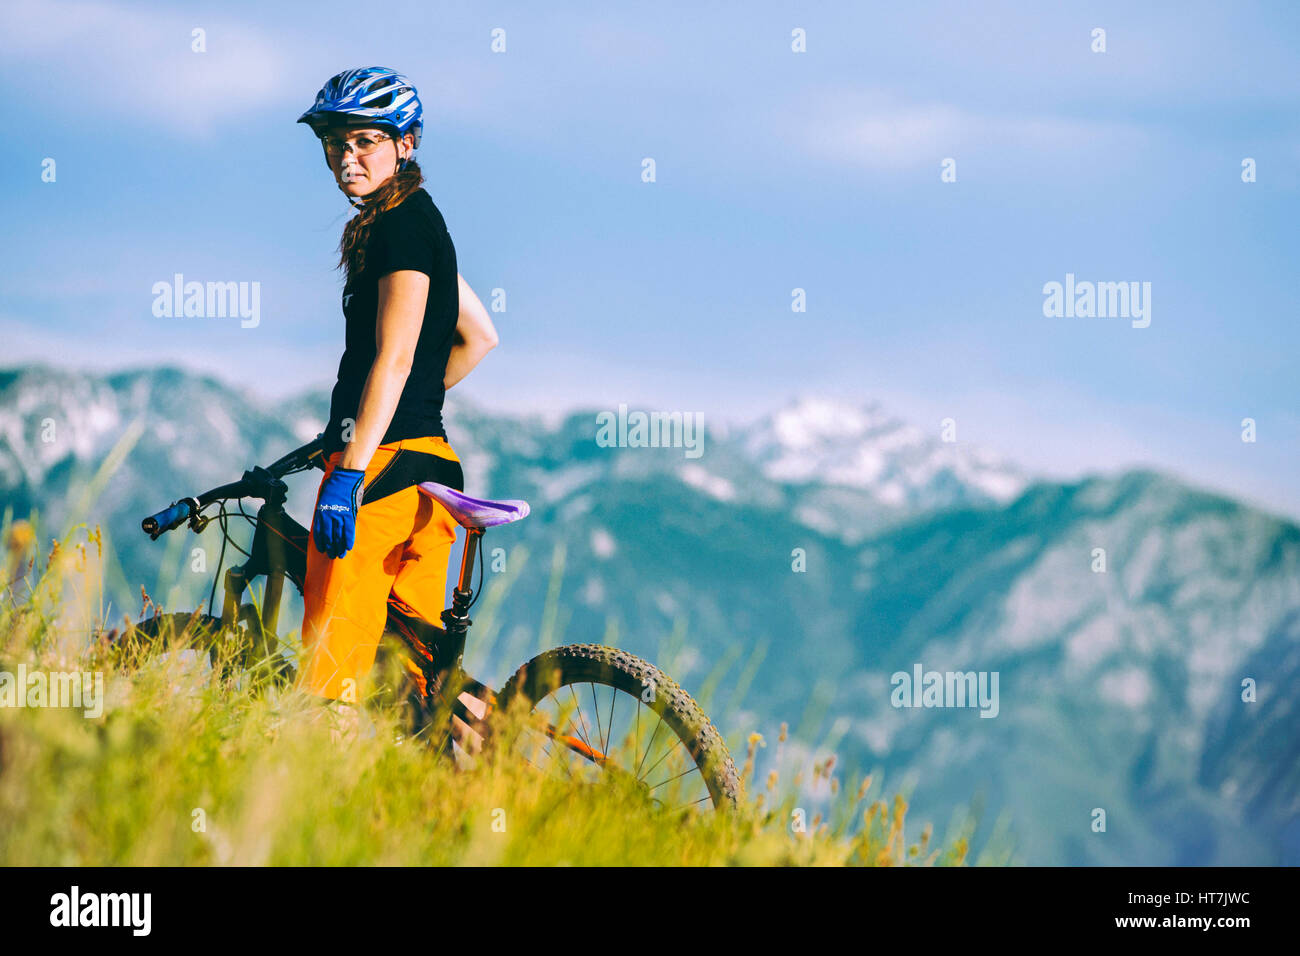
[(352, 247)]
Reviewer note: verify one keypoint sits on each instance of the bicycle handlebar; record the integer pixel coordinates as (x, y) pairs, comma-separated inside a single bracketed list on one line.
[(169, 518), (255, 483), (308, 456)]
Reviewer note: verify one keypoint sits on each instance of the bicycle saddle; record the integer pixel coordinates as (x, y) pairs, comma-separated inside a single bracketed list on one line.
[(475, 512)]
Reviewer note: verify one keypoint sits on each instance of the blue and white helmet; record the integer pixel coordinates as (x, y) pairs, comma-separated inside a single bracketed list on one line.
[(372, 94)]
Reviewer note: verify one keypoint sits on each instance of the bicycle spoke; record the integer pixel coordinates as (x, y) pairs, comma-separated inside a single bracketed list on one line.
[(685, 806), (596, 704), (612, 746), (667, 753), (564, 760), (678, 777), (581, 731), (543, 741), (648, 746), (572, 743), (609, 731)]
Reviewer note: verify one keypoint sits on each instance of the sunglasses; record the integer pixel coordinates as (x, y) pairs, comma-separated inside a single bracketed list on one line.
[(362, 145)]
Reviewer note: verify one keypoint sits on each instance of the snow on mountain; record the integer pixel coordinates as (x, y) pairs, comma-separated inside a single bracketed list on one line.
[(816, 440), (838, 468)]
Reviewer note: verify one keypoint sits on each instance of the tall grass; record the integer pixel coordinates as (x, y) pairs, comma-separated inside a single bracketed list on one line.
[(187, 768)]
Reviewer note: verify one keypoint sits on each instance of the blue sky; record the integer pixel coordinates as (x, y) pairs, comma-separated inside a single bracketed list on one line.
[(775, 170)]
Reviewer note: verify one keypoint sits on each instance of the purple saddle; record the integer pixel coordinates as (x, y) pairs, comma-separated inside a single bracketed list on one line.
[(475, 512)]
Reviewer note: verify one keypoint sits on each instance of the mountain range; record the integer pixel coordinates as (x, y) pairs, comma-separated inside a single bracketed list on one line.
[(788, 573)]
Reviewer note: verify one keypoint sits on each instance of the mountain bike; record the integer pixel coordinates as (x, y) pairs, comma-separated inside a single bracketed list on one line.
[(690, 764)]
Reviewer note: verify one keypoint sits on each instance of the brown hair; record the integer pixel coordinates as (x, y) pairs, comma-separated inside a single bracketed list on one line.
[(352, 247)]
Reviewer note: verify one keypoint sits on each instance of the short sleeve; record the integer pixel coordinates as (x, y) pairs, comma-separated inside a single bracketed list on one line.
[(404, 239)]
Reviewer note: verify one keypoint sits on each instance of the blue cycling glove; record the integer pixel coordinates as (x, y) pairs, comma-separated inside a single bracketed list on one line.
[(335, 527)]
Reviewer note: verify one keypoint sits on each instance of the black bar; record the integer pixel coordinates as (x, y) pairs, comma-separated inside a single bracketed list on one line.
[(916, 906)]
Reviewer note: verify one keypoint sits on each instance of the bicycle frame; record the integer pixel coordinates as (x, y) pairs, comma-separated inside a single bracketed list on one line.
[(436, 653), (279, 549)]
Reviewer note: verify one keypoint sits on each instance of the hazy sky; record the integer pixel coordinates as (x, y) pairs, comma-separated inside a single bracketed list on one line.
[(776, 170)]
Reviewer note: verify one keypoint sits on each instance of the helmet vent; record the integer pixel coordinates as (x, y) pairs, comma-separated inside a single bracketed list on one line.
[(374, 95)]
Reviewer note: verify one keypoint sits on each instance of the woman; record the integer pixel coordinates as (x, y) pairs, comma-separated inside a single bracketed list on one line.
[(413, 329)]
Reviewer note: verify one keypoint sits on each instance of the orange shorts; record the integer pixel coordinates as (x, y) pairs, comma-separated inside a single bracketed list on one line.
[(403, 542)]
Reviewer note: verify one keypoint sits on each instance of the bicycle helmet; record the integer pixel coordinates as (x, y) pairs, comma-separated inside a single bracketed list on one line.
[(373, 96)]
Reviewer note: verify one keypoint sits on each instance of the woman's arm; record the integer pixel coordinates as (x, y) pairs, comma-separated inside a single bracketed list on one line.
[(402, 297), (475, 336)]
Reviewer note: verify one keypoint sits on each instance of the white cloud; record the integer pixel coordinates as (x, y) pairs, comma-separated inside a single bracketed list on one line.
[(875, 129), (136, 64)]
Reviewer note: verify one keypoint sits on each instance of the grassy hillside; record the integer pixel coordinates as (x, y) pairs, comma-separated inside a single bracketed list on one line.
[(184, 768)]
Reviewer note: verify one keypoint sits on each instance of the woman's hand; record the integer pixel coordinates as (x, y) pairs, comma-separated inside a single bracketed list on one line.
[(335, 525), (475, 336)]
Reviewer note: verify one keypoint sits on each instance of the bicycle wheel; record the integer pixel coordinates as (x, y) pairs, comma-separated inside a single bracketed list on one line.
[(236, 650), (176, 631), (610, 713)]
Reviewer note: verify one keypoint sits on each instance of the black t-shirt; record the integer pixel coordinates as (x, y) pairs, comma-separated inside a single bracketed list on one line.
[(414, 236)]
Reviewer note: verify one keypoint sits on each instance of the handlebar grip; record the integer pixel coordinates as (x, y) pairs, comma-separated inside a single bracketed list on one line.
[(168, 518)]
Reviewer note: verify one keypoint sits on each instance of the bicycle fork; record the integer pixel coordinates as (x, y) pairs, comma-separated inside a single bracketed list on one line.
[(278, 548)]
